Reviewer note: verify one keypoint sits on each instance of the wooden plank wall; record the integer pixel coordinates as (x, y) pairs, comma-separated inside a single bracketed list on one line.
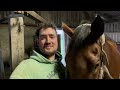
[(71, 18), (112, 30)]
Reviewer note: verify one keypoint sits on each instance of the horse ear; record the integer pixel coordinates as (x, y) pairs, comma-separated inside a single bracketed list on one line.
[(69, 31), (97, 27)]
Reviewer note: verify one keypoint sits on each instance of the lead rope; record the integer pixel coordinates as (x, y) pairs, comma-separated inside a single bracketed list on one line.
[(105, 62), (101, 72), (104, 69), (101, 75), (107, 71)]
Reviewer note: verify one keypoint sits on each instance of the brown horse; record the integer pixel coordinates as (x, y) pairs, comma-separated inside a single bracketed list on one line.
[(90, 54)]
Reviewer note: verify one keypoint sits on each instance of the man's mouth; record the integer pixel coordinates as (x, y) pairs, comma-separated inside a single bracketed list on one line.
[(48, 46)]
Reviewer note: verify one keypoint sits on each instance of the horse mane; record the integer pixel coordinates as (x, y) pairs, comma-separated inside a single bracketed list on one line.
[(84, 22), (77, 41), (110, 41)]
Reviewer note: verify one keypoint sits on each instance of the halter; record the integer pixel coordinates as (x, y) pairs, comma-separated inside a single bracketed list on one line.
[(104, 61)]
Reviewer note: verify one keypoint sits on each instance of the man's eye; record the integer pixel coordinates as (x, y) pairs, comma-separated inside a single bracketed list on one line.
[(52, 37), (42, 38)]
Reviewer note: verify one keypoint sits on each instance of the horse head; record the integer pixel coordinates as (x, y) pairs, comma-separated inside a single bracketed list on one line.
[(84, 57)]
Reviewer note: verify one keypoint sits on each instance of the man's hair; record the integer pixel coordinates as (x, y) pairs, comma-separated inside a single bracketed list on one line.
[(45, 26)]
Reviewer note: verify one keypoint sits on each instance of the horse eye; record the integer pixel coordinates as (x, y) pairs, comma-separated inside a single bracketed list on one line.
[(95, 51)]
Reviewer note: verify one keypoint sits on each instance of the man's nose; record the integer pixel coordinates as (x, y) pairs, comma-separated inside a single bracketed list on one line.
[(48, 40)]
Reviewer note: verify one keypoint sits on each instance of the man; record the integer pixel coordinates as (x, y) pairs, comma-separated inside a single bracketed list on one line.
[(45, 62)]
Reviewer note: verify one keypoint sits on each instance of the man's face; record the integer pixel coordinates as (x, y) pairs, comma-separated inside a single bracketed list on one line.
[(47, 41)]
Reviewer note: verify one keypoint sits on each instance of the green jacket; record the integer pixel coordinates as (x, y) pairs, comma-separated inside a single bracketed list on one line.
[(39, 67)]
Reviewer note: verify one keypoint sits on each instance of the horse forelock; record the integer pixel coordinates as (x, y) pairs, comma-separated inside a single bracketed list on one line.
[(80, 34), (86, 24)]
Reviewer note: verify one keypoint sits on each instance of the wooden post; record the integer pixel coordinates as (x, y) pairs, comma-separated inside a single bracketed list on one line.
[(16, 31), (2, 71)]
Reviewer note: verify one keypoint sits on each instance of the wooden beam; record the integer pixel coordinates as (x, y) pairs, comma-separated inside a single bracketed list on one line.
[(16, 31), (33, 14)]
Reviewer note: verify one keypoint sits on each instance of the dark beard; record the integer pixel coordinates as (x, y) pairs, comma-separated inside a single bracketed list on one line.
[(45, 55)]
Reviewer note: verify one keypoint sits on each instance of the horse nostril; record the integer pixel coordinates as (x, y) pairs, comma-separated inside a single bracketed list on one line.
[(97, 65)]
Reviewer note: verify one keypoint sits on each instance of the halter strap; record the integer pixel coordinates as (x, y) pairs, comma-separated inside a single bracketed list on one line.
[(103, 68)]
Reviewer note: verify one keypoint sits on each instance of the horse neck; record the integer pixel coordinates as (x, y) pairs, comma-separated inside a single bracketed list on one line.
[(110, 48), (113, 57)]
